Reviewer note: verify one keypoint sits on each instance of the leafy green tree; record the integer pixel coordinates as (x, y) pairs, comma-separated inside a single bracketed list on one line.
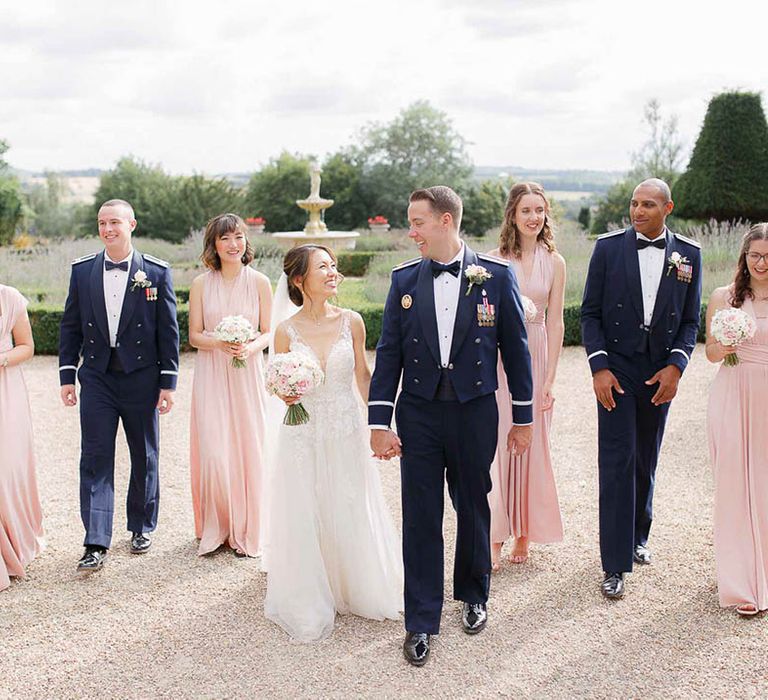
[(484, 207), (51, 216), (11, 200), (613, 210), (661, 155), (343, 183), (727, 176), (584, 217), (150, 191), (167, 207), (419, 148), (272, 192)]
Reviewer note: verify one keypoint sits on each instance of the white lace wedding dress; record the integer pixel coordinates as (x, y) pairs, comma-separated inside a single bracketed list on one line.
[(332, 544)]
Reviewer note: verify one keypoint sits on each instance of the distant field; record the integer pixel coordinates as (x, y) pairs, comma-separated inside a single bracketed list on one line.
[(569, 195), (78, 190)]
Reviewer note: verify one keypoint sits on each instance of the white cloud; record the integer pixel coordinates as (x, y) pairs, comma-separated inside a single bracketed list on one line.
[(224, 87)]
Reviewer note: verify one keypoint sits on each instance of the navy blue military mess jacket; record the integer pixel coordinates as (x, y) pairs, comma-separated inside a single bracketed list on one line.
[(148, 333), (409, 345), (612, 308)]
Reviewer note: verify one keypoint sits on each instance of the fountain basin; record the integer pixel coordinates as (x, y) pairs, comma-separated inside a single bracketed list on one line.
[(336, 240)]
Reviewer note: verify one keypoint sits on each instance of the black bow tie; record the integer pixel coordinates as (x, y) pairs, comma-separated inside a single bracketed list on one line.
[(109, 265), (659, 243), (452, 268)]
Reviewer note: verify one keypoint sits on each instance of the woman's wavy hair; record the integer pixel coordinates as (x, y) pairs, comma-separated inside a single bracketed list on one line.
[(509, 237), (217, 227), (741, 283), (296, 264)]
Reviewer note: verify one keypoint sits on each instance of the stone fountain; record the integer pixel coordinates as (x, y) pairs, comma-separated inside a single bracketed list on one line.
[(315, 230)]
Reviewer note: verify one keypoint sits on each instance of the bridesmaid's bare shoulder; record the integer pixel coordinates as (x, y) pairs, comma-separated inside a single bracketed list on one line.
[(720, 297), (558, 259), (199, 281)]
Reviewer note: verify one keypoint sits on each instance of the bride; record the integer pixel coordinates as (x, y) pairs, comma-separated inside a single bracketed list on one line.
[(332, 545)]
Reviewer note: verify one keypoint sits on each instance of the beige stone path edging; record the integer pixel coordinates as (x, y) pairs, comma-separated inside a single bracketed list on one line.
[(170, 624)]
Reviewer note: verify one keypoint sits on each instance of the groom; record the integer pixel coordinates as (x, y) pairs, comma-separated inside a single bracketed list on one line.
[(447, 314), (639, 321), (120, 318)]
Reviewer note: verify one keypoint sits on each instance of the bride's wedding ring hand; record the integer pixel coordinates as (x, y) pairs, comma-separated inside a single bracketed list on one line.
[(385, 444), (289, 400)]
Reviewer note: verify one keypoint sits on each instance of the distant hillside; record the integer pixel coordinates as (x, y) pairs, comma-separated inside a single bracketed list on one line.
[(588, 181)]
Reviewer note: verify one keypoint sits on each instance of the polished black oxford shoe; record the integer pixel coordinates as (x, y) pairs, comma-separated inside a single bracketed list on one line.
[(92, 559), (641, 555), (140, 543), (416, 648), (473, 617), (613, 585)]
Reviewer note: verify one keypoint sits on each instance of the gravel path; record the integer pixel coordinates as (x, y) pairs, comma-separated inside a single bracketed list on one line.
[(170, 624)]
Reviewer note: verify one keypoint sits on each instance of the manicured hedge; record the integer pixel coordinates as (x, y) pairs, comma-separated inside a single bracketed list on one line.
[(45, 325), (354, 263)]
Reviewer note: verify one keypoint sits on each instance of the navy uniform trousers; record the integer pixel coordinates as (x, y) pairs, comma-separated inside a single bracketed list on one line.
[(455, 441), (105, 399), (629, 440)]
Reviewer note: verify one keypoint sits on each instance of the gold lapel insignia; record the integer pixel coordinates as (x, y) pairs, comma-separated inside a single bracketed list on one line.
[(407, 301)]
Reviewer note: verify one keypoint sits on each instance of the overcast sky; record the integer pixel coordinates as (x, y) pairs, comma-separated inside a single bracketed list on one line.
[(223, 86)]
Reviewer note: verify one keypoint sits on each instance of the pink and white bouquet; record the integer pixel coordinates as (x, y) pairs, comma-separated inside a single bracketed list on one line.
[(529, 308), (732, 327), (296, 375), (237, 330)]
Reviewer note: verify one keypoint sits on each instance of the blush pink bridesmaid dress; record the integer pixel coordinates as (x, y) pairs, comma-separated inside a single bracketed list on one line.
[(21, 519), (227, 426), (737, 425), (523, 498)]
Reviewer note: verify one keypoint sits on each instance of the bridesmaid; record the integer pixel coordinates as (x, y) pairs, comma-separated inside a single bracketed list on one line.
[(738, 439), (21, 520), (228, 403), (523, 499)]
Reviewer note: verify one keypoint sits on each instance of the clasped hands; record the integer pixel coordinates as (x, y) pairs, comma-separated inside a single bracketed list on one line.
[(604, 383), (385, 444)]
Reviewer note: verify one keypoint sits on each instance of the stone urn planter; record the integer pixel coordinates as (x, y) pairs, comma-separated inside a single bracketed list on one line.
[(378, 225), (255, 225)]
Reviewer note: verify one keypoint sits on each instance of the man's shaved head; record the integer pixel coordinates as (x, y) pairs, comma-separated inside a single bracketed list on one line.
[(658, 184)]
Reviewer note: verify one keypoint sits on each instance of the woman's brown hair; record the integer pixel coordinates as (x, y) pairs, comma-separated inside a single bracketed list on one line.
[(509, 237), (741, 284), (217, 227), (296, 264)]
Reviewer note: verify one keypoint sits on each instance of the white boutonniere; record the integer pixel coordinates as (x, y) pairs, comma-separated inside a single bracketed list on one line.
[(476, 274), (675, 260), (140, 280)]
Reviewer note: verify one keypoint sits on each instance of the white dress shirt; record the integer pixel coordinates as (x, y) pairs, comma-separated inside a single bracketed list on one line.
[(447, 289), (651, 268), (115, 284)]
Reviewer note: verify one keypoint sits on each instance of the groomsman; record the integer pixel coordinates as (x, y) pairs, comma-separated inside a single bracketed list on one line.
[(448, 314), (120, 320), (639, 321)]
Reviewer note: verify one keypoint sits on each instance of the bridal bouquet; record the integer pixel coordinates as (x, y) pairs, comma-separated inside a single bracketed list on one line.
[(732, 327), (293, 374), (235, 329), (529, 308)]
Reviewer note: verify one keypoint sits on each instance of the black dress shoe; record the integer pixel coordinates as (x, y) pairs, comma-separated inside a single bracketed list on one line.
[(92, 559), (140, 543), (416, 648), (613, 585), (641, 555), (473, 617)]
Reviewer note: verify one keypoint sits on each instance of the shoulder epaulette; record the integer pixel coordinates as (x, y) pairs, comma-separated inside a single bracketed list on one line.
[(610, 234), (155, 260), (84, 258), (493, 259), (690, 241), (407, 263)]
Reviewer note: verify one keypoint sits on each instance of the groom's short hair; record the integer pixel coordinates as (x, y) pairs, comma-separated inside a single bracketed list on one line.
[(441, 199)]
